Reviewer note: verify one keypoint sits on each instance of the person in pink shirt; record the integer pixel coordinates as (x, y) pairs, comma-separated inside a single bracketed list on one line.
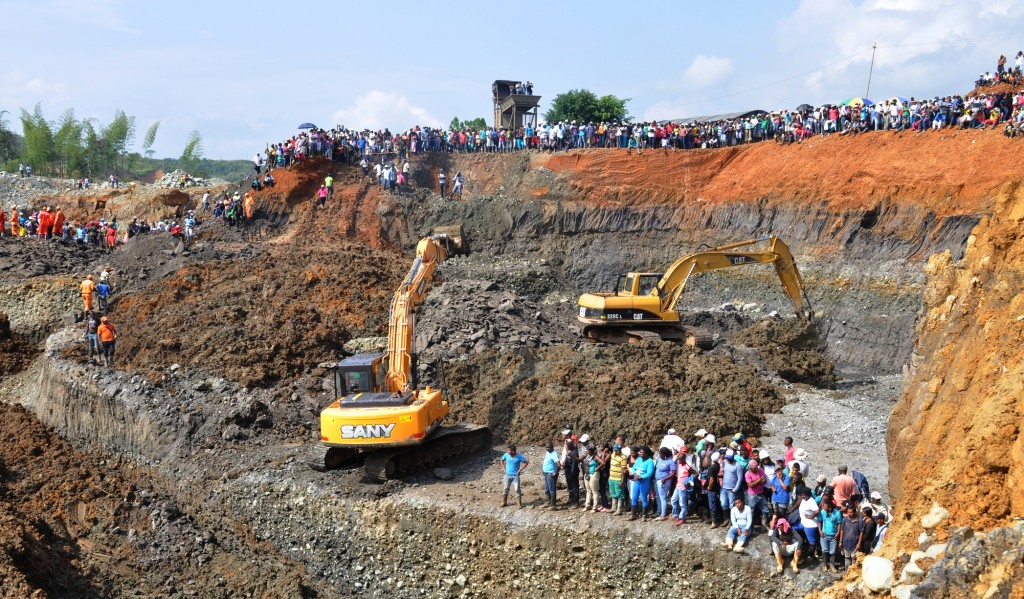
[(790, 450), (755, 479), (843, 486)]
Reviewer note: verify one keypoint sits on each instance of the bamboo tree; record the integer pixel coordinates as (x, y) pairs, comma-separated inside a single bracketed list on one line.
[(38, 140), (147, 141), (192, 153)]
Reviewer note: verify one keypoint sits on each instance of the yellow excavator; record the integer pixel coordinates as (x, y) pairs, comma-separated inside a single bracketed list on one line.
[(643, 305), (380, 414)]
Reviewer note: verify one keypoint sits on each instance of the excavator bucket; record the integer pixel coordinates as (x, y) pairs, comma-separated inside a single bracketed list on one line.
[(457, 243)]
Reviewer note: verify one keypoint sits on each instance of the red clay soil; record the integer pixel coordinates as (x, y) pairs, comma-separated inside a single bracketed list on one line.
[(955, 436), (950, 172)]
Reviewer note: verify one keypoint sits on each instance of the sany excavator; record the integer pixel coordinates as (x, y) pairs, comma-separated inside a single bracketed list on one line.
[(379, 412), (643, 305)]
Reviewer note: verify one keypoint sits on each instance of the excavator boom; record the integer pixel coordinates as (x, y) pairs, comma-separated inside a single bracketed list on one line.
[(379, 413), (644, 306)]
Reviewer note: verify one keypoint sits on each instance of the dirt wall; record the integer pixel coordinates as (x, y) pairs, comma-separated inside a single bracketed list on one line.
[(954, 437)]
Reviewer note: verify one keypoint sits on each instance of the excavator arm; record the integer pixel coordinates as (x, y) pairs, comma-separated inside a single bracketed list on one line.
[(672, 285), (430, 252)]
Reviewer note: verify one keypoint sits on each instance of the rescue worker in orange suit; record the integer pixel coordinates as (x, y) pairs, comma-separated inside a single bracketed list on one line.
[(45, 223), (107, 334), (3, 222), (248, 204), (88, 287), (58, 223), (15, 223)]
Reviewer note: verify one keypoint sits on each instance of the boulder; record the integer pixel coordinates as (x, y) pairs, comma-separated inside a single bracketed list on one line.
[(877, 573), (444, 473), (935, 517)]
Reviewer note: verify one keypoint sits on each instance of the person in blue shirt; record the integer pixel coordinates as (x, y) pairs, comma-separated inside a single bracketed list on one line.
[(780, 485), (829, 519), (103, 292), (514, 463), (664, 475), (641, 473), (550, 468)]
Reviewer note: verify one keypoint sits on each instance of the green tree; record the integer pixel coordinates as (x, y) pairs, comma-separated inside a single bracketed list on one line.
[(583, 105), (9, 144), (68, 147), (192, 153), (147, 141), (474, 124), (37, 140), (119, 135)]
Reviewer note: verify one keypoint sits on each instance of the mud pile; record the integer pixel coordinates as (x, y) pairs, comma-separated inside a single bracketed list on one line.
[(791, 348), (15, 353), (76, 524), (262, 318), (22, 259), (640, 390)]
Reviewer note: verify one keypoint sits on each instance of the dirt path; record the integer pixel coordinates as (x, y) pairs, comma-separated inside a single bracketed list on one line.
[(842, 427)]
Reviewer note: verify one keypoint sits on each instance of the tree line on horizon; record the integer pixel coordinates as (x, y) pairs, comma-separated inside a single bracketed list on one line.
[(72, 148)]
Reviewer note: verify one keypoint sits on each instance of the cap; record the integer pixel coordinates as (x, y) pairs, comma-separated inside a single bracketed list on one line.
[(710, 438), (584, 438), (800, 454), (737, 437), (617, 446), (729, 454), (876, 495), (567, 431), (701, 433), (764, 455), (715, 457), (671, 431), (684, 449), (821, 479)]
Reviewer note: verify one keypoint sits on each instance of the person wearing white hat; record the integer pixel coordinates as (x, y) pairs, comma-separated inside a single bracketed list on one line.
[(877, 507), (672, 441), (800, 457)]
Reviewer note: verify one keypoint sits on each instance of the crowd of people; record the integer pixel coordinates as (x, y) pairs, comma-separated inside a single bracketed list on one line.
[(807, 515)]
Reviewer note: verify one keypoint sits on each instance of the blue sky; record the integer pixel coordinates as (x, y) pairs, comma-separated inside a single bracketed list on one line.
[(244, 73)]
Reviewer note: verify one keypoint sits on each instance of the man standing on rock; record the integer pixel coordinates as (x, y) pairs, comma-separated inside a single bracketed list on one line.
[(550, 469), (514, 463), (91, 324), (87, 287), (107, 334), (103, 293)]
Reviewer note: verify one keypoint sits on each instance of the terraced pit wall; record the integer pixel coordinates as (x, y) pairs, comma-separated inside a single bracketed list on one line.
[(367, 543)]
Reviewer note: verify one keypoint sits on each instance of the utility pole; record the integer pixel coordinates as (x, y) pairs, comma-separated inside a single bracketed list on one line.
[(867, 94)]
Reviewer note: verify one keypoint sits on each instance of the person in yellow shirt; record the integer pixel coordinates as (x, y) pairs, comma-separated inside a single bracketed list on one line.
[(617, 467), (88, 287)]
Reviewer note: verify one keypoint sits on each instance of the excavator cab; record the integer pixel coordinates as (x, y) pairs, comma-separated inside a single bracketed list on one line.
[(638, 283), (361, 373)]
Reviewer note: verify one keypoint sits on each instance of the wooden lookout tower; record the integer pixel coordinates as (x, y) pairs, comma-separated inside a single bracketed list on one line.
[(512, 110)]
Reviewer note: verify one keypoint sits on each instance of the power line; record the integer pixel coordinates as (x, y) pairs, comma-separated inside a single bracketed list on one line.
[(774, 83)]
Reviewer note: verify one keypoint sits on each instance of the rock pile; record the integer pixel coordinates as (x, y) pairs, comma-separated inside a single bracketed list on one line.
[(466, 317), (173, 179)]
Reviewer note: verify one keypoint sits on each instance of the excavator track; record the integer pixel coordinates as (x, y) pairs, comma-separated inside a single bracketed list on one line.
[(443, 443), (694, 336), (323, 458)]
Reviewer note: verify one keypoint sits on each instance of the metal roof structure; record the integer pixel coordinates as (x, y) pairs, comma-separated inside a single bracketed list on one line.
[(716, 117)]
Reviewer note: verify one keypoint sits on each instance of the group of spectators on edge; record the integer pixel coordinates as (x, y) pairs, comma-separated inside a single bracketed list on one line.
[(807, 515)]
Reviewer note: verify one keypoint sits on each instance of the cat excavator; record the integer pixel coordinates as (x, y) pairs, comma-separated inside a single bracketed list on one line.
[(380, 414), (643, 304)]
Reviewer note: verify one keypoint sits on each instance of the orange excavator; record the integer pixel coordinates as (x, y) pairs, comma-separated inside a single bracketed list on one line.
[(380, 413), (643, 305)]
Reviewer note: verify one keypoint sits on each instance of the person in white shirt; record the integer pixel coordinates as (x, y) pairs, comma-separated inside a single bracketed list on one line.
[(672, 441), (808, 510), (740, 518)]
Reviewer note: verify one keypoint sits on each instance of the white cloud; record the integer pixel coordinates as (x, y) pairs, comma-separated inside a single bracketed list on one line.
[(378, 109), (706, 71)]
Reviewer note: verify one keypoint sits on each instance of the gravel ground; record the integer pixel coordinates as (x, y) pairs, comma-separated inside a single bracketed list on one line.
[(842, 426)]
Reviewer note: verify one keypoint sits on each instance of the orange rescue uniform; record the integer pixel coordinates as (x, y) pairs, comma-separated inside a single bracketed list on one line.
[(58, 223), (45, 223), (87, 288), (106, 331)]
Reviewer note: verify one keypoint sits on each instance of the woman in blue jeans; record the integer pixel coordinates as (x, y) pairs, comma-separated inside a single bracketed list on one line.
[(664, 474), (641, 473)]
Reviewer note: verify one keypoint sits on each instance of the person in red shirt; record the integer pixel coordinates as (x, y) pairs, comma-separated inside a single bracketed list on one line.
[(843, 486)]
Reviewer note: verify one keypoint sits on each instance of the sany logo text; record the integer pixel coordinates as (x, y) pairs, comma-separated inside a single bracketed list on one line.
[(366, 431)]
